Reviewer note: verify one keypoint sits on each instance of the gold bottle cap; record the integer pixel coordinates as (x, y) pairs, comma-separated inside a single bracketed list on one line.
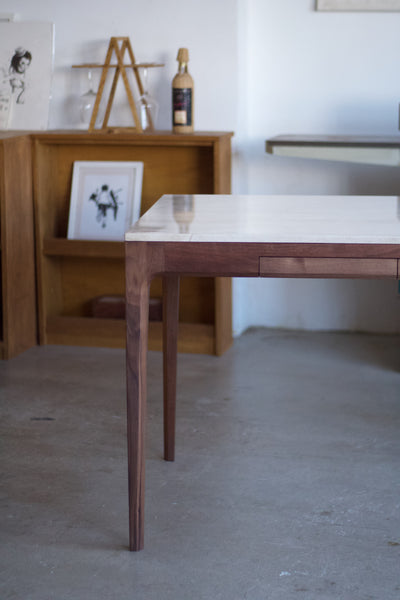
[(183, 55)]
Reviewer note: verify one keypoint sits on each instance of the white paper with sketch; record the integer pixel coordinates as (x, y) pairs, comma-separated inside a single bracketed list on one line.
[(26, 63)]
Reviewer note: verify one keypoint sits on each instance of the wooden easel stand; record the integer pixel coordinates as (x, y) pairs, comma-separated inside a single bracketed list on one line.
[(119, 46)]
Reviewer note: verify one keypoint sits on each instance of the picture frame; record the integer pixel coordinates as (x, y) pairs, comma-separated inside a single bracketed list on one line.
[(105, 199), (26, 67), (358, 5)]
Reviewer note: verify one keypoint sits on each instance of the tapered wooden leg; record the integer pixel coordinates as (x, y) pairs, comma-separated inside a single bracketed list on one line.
[(170, 349), (137, 314)]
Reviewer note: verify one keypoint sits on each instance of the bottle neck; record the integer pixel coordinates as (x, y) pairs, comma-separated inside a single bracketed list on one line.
[(183, 67)]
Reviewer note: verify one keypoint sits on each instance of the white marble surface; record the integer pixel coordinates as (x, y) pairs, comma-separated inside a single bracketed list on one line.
[(299, 219)]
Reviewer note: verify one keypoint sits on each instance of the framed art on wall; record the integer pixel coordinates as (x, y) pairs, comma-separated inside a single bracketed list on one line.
[(359, 5), (105, 199), (26, 63)]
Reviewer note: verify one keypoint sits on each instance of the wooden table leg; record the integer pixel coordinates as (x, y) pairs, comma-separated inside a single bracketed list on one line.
[(137, 317), (170, 349)]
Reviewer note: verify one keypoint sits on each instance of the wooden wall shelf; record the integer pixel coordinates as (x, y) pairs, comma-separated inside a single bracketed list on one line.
[(373, 150), (71, 273)]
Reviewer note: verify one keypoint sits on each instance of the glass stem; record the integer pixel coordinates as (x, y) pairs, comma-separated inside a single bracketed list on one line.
[(90, 80)]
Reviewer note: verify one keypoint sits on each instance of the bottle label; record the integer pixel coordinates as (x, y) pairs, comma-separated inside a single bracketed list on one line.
[(182, 106)]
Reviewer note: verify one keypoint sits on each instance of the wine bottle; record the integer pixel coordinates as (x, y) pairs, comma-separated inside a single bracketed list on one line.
[(182, 95)]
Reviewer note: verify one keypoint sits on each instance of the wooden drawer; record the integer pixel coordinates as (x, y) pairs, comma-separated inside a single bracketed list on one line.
[(374, 268)]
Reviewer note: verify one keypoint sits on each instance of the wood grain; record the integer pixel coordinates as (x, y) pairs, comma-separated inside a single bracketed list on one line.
[(18, 330), (173, 259), (141, 261), (366, 268), (170, 345), (194, 338), (137, 303), (243, 259), (70, 272), (223, 315)]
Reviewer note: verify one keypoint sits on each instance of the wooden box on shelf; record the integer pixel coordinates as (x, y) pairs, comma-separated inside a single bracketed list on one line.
[(18, 330), (71, 273)]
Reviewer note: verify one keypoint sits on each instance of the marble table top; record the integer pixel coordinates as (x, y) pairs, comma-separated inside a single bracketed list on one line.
[(271, 219)]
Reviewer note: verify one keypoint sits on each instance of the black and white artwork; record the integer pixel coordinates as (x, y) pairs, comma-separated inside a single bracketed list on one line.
[(105, 199), (26, 61)]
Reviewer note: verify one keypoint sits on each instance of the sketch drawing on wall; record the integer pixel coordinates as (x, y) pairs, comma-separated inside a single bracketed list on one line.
[(26, 59)]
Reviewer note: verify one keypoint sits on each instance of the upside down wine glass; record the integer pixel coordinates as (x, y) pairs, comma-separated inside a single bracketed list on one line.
[(148, 106), (86, 102)]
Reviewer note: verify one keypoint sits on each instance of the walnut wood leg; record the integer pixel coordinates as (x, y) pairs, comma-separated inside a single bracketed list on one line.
[(137, 314), (170, 349)]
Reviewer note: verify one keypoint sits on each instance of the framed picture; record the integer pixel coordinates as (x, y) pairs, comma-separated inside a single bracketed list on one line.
[(105, 199), (361, 5), (26, 63)]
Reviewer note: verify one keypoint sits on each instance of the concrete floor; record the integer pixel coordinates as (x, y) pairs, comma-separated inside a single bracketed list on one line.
[(286, 482)]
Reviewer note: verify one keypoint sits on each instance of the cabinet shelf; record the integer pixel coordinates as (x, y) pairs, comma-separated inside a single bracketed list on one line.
[(111, 333), (71, 273), (82, 248)]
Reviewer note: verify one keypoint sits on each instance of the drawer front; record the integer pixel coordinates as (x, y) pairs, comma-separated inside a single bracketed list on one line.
[(374, 268)]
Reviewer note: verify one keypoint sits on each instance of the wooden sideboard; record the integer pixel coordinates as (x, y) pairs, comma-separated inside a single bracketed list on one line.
[(71, 273), (18, 329), (49, 299)]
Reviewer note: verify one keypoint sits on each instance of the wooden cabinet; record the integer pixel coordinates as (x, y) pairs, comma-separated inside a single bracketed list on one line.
[(18, 329), (71, 273)]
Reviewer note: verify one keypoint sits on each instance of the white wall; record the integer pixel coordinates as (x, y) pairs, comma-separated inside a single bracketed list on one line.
[(317, 73), (261, 68), (157, 28)]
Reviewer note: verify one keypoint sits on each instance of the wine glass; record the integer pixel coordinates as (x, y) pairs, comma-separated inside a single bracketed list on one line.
[(148, 106), (86, 102)]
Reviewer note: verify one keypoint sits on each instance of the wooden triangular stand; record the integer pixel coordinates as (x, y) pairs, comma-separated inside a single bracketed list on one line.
[(119, 46)]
